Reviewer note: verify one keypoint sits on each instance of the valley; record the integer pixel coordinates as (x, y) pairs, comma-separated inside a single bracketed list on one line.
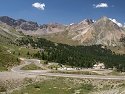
[(32, 55), (37, 80)]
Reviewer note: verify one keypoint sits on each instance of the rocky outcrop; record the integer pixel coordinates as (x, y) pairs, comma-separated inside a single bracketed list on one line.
[(29, 25)]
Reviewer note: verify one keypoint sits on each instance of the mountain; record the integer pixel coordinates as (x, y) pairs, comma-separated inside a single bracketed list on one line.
[(8, 33), (70, 31), (104, 31), (32, 28), (20, 23)]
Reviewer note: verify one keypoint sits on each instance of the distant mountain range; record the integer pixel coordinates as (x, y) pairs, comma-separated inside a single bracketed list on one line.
[(88, 32), (32, 28)]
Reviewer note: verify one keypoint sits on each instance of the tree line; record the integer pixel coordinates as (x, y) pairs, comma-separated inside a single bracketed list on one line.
[(79, 56)]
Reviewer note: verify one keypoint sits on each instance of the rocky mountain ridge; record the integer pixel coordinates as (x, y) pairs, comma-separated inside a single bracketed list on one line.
[(30, 27), (104, 31)]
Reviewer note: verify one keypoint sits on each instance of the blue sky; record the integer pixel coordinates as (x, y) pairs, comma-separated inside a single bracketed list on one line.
[(63, 11)]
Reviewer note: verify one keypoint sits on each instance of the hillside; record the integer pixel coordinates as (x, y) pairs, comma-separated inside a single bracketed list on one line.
[(87, 32), (79, 56), (32, 28), (7, 60), (104, 31), (8, 33)]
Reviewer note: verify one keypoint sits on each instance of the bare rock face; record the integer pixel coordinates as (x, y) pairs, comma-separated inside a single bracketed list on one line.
[(87, 32), (104, 32), (29, 26), (76, 30), (8, 21), (32, 28), (21, 24)]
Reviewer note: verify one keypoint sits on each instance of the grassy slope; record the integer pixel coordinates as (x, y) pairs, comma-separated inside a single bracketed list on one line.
[(65, 40), (8, 34), (6, 59), (15, 50), (61, 38), (31, 66), (118, 50), (10, 53), (57, 85)]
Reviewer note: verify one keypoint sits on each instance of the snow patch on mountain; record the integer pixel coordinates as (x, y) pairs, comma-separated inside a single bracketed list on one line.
[(94, 21), (71, 23), (114, 20)]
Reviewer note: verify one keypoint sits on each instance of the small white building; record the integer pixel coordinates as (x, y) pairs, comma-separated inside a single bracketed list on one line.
[(99, 66)]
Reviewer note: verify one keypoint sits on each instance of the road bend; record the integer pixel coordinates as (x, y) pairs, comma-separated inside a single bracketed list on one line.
[(46, 72)]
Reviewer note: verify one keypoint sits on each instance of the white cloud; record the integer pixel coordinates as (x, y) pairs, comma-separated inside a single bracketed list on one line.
[(100, 5), (114, 20), (39, 5)]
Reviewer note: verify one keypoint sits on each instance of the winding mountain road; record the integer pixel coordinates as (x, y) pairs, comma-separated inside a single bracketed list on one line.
[(46, 72)]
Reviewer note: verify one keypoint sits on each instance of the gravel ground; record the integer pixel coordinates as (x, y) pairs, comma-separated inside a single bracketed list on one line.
[(112, 91), (12, 80), (11, 75)]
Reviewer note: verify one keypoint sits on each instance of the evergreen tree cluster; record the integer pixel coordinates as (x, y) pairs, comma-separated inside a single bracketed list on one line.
[(79, 56)]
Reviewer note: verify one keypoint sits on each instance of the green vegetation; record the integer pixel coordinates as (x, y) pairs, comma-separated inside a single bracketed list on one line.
[(3, 89), (8, 34), (75, 72), (31, 66), (57, 86), (53, 66), (122, 85), (87, 87), (115, 73), (46, 62), (123, 40), (61, 38), (79, 56), (9, 55), (7, 60), (19, 51), (60, 85)]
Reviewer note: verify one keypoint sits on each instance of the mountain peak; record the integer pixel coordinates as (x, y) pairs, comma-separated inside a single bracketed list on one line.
[(8, 20), (104, 18), (90, 21), (87, 21)]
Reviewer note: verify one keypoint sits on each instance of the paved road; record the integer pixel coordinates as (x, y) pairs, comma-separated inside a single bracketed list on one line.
[(27, 62), (45, 72)]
